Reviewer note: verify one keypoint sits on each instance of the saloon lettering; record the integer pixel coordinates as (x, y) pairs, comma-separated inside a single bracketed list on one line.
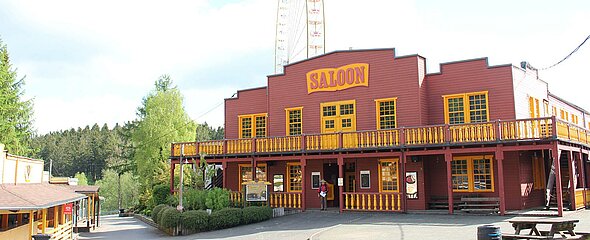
[(334, 79)]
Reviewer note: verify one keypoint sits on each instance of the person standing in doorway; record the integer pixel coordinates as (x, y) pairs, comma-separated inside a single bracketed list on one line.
[(323, 193)]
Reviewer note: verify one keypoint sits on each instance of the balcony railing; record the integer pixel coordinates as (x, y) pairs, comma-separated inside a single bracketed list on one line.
[(381, 201), (488, 132)]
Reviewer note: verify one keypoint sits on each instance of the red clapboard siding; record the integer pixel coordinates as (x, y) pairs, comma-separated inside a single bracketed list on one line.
[(389, 76), (248, 101), (471, 76)]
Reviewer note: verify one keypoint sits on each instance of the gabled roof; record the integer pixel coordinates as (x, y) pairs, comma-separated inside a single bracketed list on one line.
[(35, 196)]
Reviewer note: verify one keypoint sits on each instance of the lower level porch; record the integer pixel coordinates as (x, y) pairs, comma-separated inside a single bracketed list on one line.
[(494, 178)]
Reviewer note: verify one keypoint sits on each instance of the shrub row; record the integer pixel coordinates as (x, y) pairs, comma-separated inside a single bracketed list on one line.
[(199, 220)]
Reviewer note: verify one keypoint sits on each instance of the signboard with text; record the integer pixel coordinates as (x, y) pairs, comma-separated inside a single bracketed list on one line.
[(68, 208), (335, 79)]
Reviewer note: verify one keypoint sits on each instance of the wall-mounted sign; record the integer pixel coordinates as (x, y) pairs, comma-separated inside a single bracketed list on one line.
[(68, 208), (412, 185), (334, 79), (365, 179), (256, 191), (315, 180)]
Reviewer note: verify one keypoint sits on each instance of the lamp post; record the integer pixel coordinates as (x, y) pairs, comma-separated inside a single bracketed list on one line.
[(180, 208)]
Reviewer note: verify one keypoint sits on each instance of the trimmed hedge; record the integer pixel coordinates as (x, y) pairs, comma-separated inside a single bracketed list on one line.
[(195, 220), (225, 218), (156, 211), (256, 214), (170, 218)]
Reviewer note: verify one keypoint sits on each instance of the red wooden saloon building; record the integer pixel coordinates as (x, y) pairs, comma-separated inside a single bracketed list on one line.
[(390, 137)]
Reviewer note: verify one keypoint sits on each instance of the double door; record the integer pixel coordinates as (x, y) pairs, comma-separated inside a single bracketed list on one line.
[(338, 117)]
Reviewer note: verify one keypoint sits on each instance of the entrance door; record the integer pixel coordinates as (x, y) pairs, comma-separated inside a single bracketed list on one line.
[(331, 176), (337, 117)]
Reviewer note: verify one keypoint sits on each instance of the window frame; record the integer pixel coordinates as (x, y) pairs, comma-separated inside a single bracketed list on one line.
[(466, 105), (471, 175), (253, 125), (378, 112), (288, 124), (338, 116), (396, 161), (288, 176), (241, 165)]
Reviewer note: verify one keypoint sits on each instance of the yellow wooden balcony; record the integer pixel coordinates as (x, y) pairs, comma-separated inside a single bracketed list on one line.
[(405, 137)]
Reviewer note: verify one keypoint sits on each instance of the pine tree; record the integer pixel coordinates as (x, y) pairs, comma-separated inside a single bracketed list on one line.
[(16, 130)]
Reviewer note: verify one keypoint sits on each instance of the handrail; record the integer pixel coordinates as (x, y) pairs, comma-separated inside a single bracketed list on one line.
[(485, 132)]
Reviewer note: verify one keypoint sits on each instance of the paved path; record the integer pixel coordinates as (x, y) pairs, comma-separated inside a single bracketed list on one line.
[(316, 225)]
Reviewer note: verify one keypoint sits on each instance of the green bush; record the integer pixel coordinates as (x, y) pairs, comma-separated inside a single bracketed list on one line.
[(172, 200), (157, 210), (170, 218), (195, 220), (225, 218), (195, 199), (217, 199), (158, 220), (256, 214), (160, 194)]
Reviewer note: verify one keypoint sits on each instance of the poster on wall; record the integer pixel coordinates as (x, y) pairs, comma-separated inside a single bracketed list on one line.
[(315, 180), (365, 179), (412, 185), (256, 191)]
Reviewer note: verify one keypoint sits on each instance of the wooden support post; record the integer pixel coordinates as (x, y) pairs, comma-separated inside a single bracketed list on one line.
[(31, 225), (556, 153), (172, 167), (254, 169), (55, 217), (4, 224), (448, 160), (62, 215), (583, 174), (19, 218), (88, 216), (500, 163), (402, 180), (44, 221), (572, 188), (224, 172), (341, 175), (303, 183)]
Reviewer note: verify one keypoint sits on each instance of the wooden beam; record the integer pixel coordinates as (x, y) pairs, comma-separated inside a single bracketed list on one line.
[(341, 188), (44, 221), (5, 221), (448, 160), (572, 188), (55, 217), (303, 182), (31, 225), (556, 153), (500, 162)]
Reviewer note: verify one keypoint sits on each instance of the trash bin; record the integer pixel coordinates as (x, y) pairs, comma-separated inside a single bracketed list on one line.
[(489, 232), (42, 236)]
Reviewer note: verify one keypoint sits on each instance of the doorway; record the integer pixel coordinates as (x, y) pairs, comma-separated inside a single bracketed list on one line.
[(330, 173)]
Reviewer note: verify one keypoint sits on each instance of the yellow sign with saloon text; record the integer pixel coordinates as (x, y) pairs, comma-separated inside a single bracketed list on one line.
[(335, 79)]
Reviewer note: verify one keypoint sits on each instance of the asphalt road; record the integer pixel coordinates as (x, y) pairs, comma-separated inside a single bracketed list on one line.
[(316, 225)]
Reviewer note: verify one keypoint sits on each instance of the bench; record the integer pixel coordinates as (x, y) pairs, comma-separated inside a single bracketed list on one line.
[(442, 202), (480, 204), (518, 236)]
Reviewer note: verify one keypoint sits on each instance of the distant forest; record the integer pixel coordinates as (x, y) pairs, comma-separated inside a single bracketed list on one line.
[(91, 150)]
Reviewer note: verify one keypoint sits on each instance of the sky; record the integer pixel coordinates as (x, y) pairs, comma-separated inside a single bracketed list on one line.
[(87, 62)]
